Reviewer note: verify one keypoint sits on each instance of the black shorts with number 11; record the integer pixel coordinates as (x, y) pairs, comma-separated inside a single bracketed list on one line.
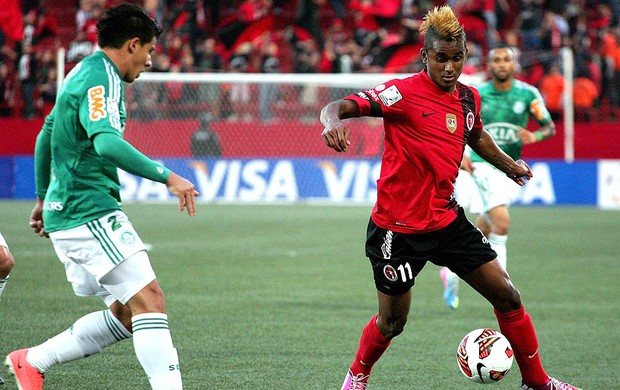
[(397, 258)]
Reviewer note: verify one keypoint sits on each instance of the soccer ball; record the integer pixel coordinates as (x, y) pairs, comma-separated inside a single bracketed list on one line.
[(484, 356)]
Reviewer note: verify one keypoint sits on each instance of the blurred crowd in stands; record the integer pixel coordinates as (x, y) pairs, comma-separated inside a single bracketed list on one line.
[(321, 36)]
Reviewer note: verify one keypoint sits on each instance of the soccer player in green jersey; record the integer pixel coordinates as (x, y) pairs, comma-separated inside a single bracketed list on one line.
[(507, 106), (77, 155)]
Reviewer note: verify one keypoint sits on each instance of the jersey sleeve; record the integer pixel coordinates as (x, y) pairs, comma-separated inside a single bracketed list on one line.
[(376, 101), (120, 153), (100, 103), (537, 108), (43, 156), (477, 127)]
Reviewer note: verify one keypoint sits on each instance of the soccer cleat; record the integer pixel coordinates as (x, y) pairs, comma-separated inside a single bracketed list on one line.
[(451, 288), (355, 382), (26, 376), (553, 384)]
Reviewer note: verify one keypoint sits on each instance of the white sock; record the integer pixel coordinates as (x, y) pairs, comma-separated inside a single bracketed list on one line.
[(3, 282), (87, 336), (153, 345), (498, 243)]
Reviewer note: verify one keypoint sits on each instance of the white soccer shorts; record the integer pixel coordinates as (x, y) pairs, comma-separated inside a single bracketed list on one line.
[(104, 258), (494, 187), (466, 191)]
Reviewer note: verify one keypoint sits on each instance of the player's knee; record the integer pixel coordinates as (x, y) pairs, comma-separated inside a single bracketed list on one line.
[(501, 227), (392, 326), (510, 301), (148, 300), (6, 262), (500, 224), (122, 313)]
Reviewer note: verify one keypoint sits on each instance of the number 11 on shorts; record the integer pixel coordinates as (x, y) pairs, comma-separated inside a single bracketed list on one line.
[(405, 276)]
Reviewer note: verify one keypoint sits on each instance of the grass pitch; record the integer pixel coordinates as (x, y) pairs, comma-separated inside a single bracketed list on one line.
[(275, 297)]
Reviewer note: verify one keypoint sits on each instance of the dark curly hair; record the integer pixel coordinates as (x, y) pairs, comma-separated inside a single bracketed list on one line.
[(123, 22)]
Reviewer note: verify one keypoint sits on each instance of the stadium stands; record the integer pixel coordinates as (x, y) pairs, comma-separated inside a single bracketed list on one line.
[(334, 36)]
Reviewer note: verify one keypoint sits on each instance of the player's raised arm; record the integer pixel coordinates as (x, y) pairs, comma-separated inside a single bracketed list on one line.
[(335, 134), (122, 154), (545, 132)]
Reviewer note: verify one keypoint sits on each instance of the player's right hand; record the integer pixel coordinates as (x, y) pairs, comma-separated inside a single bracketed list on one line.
[(36, 219), (521, 173), (184, 191), (336, 136)]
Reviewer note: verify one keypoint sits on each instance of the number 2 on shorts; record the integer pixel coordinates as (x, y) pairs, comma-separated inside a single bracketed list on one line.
[(116, 225)]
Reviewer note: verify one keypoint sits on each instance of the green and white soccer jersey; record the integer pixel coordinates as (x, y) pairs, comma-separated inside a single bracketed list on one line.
[(83, 185), (503, 112)]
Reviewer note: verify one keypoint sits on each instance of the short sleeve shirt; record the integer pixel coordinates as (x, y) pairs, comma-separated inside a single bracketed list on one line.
[(426, 129), (83, 185)]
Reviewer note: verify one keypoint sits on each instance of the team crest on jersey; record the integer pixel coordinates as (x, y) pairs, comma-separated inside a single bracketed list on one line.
[(390, 96), (451, 122), (390, 273), (470, 120), (380, 88), (96, 103), (518, 107)]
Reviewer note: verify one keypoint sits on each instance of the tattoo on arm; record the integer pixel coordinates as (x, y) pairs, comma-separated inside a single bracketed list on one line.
[(546, 131)]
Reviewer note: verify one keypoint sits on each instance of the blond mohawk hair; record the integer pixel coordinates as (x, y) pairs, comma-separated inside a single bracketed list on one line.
[(442, 24)]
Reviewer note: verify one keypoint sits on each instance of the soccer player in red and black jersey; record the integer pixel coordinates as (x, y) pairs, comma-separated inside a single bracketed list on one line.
[(428, 119)]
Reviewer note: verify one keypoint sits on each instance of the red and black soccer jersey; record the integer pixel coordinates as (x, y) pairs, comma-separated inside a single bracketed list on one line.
[(426, 130)]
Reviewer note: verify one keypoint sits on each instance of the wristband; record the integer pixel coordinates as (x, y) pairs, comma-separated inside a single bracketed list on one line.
[(538, 135)]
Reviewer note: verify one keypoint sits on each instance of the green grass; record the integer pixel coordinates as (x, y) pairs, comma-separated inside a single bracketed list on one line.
[(275, 297)]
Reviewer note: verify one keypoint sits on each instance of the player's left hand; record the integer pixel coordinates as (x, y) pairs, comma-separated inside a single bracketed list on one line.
[(527, 137), (36, 219), (185, 192), (520, 173), (336, 136)]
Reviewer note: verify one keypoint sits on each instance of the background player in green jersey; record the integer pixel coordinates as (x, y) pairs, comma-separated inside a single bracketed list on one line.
[(77, 155), (507, 106)]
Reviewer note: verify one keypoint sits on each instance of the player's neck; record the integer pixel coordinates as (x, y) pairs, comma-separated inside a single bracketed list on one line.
[(503, 85), (117, 58)]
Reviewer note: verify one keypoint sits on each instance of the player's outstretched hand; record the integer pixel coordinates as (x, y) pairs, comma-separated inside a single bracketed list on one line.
[(36, 219), (521, 173), (185, 192), (336, 136)]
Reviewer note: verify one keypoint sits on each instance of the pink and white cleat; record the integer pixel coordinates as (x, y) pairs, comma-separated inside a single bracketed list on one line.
[(553, 384), (26, 376), (355, 382)]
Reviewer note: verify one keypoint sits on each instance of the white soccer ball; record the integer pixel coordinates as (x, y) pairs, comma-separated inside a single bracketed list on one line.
[(484, 356)]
